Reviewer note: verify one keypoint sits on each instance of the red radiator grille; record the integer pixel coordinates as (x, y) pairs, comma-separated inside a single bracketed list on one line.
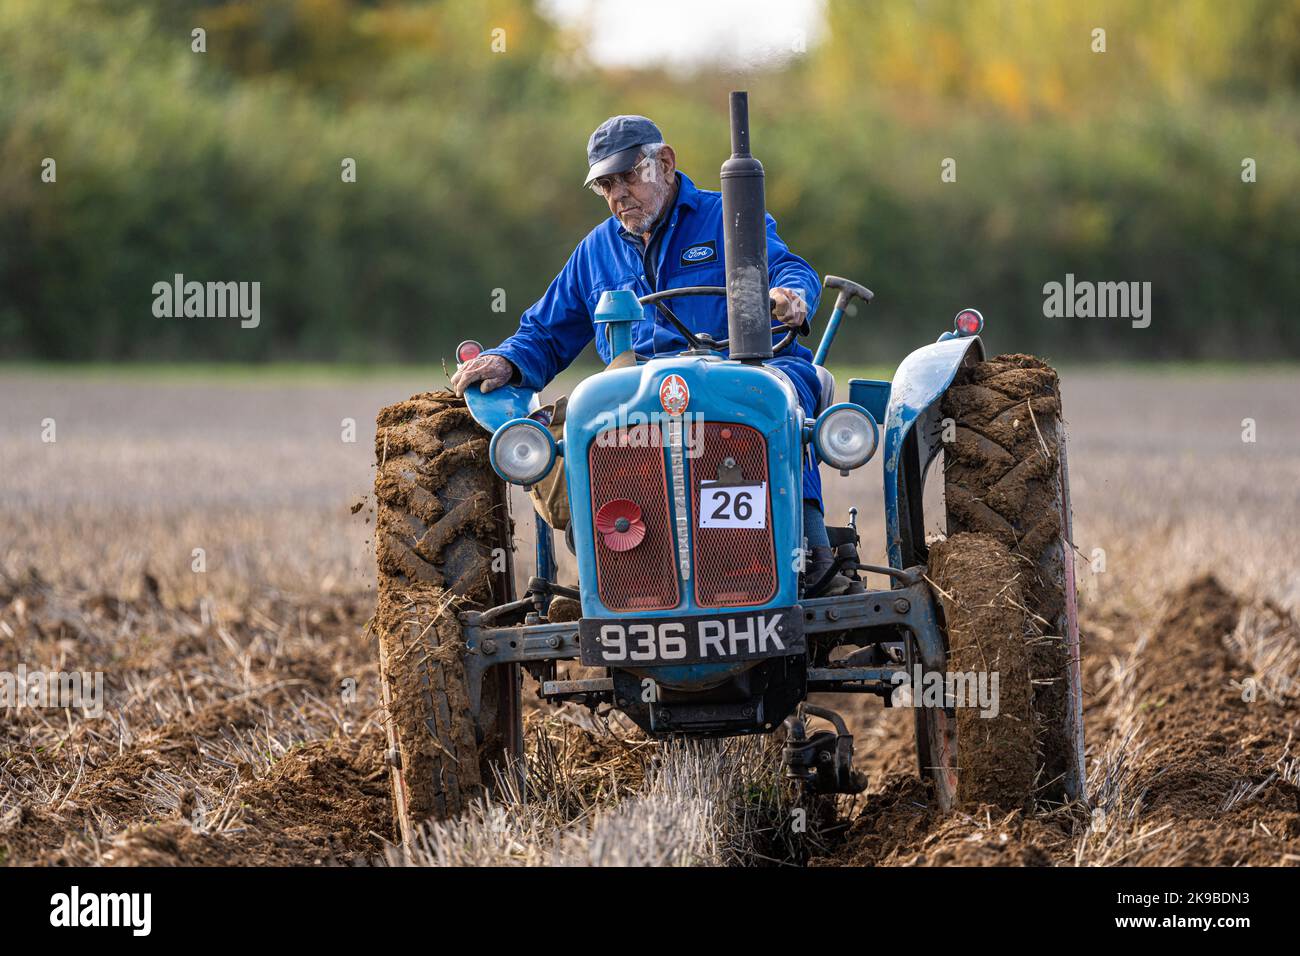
[(733, 566), (643, 578)]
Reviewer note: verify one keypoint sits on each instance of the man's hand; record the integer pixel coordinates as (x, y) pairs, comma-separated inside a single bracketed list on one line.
[(789, 307), (491, 371)]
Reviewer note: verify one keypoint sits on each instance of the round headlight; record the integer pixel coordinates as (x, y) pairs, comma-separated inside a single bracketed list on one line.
[(522, 451), (845, 436)]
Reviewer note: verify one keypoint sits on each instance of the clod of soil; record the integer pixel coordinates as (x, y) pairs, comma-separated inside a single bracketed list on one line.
[(324, 796)]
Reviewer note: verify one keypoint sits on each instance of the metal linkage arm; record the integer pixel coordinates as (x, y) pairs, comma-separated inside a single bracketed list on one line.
[(488, 646), (911, 607)]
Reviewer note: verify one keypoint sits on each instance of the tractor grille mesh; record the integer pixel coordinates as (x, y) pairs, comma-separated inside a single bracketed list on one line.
[(643, 578), (733, 566)]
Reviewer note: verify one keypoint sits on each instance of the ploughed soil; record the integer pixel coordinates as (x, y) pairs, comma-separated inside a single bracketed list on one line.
[(1182, 769), (244, 738), (226, 741)]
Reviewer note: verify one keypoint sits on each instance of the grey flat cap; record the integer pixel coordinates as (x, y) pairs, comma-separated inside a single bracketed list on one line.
[(616, 145)]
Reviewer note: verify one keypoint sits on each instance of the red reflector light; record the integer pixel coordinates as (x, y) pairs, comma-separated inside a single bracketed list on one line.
[(469, 349), (969, 322)]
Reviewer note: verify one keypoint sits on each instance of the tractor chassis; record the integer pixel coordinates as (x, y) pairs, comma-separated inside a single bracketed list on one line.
[(878, 623)]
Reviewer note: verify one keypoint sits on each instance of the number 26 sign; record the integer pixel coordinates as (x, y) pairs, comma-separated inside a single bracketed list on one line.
[(733, 506)]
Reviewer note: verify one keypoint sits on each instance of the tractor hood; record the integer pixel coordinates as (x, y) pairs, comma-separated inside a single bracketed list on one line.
[(653, 434)]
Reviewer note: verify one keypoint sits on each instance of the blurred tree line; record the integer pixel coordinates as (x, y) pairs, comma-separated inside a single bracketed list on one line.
[(226, 165)]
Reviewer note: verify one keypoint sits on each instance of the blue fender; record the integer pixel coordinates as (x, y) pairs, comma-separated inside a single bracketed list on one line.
[(492, 411), (919, 383), (500, 405)]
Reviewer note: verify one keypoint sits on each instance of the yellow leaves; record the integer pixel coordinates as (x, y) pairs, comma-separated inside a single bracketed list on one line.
[(949, 63), (1023, 59), (403, 27), (1003, 84)]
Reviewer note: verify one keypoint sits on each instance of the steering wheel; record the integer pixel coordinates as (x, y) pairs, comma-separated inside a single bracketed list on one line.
[(704, 341)]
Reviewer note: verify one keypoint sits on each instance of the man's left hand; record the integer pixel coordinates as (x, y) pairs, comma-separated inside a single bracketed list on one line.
[(789, 307)]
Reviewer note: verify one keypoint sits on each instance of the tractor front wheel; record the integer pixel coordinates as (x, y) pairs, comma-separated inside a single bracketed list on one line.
[(1006, 481), (442, 545)]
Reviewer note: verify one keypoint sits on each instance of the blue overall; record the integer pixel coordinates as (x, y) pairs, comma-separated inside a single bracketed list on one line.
[(685, 250)]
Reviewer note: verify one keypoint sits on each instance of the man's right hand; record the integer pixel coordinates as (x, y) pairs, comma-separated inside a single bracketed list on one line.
[(491, 371)]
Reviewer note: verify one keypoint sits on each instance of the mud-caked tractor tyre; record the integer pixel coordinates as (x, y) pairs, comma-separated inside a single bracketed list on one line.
[(442, 546), (1006, 479)]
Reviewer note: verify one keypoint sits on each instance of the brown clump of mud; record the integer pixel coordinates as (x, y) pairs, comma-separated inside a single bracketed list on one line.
[(325, 803), (324, 799)]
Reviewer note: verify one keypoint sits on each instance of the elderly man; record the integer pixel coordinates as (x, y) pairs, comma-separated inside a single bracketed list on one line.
[(664, 233)]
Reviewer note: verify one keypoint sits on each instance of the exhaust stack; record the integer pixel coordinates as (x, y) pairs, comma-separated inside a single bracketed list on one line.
[(744, 231)]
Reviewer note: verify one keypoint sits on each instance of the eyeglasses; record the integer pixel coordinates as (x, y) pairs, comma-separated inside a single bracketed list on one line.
[(605, 184)]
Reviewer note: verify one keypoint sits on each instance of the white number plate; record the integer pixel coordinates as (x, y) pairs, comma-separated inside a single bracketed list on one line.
[(747, 635), (733, 506)]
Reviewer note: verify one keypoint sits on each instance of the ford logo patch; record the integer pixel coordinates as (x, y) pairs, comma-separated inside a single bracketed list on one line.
[(700, 252)]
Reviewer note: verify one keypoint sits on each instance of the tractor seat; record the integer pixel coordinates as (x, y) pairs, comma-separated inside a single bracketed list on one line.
[(827, 397)]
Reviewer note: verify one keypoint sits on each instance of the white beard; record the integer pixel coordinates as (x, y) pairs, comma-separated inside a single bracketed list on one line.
[(645, 218), (640, 225)]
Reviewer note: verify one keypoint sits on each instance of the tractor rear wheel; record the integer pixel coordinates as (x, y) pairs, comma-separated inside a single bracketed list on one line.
[(1005, 476), (936, 744), (442, 545)]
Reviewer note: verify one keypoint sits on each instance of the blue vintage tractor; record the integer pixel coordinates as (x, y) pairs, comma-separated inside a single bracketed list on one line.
[(683, 477)]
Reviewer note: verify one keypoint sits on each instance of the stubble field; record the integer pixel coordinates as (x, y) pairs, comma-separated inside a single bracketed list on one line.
[(199, 543)]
